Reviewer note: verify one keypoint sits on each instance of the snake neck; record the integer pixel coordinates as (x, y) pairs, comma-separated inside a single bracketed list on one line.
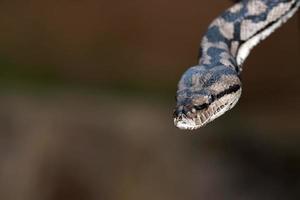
[(230, 37)]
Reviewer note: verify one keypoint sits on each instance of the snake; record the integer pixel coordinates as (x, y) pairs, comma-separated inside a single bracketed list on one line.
[(212, 87)]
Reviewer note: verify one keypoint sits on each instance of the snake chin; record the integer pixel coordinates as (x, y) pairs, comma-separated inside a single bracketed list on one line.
[(195, 119)]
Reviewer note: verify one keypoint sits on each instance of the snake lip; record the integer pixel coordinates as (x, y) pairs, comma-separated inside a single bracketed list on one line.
[(184, 121)]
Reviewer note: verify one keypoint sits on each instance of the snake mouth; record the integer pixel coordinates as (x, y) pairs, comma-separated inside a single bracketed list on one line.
[(199, 119), (195, 119), (185, 122)]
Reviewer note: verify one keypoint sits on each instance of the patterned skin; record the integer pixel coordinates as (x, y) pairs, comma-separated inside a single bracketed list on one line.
[(212, 87)]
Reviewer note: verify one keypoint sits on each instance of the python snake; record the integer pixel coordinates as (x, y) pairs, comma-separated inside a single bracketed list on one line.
[(209, 89)]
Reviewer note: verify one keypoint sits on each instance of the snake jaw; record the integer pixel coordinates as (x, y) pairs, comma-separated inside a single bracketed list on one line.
[(184, 122)]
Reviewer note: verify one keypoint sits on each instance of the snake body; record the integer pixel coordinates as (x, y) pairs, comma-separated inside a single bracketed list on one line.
[(209, 89)]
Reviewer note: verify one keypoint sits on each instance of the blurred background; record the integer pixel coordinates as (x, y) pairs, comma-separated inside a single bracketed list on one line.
[(87, 94)]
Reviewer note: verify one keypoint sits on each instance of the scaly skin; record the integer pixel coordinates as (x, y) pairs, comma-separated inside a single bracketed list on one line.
[(212, 87)]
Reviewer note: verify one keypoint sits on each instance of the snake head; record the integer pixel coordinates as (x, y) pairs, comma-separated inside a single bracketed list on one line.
[(203, 95)]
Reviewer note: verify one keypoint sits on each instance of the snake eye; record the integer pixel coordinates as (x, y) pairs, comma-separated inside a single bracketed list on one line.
[(201, 107)]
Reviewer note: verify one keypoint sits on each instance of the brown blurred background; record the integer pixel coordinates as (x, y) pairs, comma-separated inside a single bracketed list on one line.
[(87, 92)]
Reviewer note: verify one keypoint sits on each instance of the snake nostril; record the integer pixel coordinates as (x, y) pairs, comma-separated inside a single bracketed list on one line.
[(177, 112)]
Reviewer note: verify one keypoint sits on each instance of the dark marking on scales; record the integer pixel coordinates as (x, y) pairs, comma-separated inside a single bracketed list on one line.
[(215, 56), (214, 35)]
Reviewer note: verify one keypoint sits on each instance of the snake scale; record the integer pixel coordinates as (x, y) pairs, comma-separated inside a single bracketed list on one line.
[(209, 89)]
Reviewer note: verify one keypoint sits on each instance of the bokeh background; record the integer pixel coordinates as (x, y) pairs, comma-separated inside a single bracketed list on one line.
[(87, 93)]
